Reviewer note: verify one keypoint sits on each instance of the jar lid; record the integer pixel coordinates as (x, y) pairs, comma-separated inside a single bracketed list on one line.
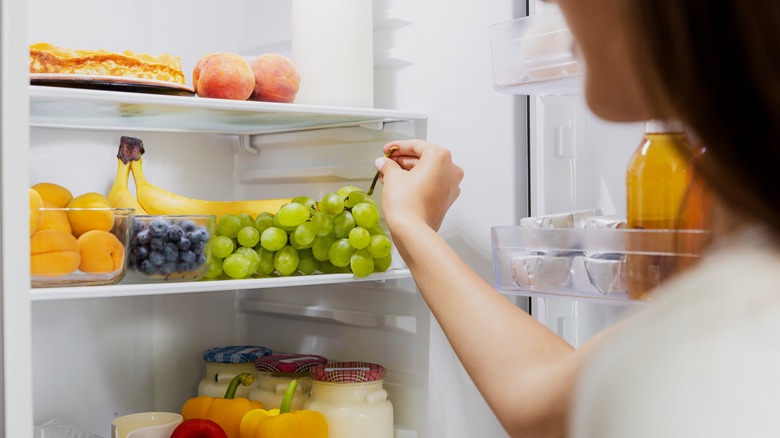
[(348, 372), (235, 354), (288, 363)]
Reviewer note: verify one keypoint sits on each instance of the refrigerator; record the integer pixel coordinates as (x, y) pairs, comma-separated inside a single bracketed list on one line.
[(88, 354)]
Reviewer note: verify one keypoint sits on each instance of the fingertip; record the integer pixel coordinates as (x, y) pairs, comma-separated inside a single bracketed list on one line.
[(379, 163)]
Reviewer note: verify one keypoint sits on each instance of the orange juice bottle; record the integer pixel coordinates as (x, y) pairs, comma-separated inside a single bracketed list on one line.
[(657, 182)]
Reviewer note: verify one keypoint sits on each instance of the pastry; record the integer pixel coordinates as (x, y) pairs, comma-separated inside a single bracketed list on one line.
[(47, 58)]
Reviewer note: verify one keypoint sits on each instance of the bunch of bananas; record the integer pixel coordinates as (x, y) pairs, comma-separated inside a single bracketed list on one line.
[(154, 200)]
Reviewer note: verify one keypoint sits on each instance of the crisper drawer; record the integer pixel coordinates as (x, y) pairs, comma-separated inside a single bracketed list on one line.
[(619, 265)]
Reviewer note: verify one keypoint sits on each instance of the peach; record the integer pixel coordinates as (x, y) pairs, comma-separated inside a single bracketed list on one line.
[(54, 219), (36, 217), (101, 252), (223, 76), (54, 193), (82, 221), (276, 78), (53, 253)]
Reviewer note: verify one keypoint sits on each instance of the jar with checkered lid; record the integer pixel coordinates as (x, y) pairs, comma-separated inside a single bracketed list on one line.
[(224, 363), (274, 373), (352, 398)]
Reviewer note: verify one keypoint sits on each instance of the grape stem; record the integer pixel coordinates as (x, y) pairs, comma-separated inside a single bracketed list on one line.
[(376, 177)]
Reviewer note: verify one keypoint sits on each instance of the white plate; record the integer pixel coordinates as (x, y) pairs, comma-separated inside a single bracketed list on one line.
[(113, 83)]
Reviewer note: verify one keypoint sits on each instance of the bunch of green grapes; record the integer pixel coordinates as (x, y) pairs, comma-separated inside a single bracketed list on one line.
[(340, 233)]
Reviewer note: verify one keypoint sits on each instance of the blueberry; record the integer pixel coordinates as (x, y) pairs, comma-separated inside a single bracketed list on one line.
[(143, 237), (146, 267), (175, 233), (158, 228), (187, 256), (167, 268), (195, 236), (157, 244), (183, 267), (157, 258), (141, 252), (188, 226), (171, 252), (138, 225), (184, 244), (201, 260), (198, 248), (132, 259)]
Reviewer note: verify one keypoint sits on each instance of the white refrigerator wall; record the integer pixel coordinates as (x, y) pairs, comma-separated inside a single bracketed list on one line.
[(121, 355)]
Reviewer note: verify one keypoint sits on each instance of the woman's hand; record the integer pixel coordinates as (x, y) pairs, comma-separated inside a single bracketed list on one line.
[(420, 184)]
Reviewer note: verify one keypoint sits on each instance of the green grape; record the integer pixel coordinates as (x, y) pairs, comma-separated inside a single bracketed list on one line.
[(331, 203), (279, 225), (306, 201), (343, 223), (366, 215), (307, 264), (326, 267), (253, 257), (359, 237), (266, 261), (379, 246), (340, 252), (323, 223), (357, 197), (237, 266), (248, 237), (321, 246), (295, 243), (382, 264), (246, 220), (286, 261), (273, 239), (222, 246), (292, 214), (215, 268), (346, 190), (264, 220), (229, 225), (361, 263), (377, 230), (305, 234)]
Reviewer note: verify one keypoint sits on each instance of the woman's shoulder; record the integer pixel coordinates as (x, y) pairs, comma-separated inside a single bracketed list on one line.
[(700, 361)]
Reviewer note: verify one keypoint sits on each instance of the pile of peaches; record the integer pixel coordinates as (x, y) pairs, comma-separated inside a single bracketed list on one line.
[(69, 234), (266, 78)]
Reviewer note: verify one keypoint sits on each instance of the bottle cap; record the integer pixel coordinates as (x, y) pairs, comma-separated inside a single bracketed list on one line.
[(347, 372), (235, 354), (658, 126), (288, 363)]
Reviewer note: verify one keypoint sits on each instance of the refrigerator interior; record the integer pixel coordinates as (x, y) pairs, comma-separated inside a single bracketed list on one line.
[(119, 350)]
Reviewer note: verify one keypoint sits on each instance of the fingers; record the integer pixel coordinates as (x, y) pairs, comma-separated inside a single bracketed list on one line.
[(414, 147)]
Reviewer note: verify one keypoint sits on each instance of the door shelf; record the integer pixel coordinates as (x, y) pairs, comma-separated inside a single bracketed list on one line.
[(58, 107), (140, 289), (596, 264)]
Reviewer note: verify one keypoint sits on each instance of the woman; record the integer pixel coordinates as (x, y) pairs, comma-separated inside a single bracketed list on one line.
[(704, 359)]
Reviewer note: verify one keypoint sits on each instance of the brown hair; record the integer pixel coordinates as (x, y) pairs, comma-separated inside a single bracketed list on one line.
[(717, 66)]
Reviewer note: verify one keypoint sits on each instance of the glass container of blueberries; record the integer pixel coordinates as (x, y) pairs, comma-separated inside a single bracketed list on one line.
[(170, 248)]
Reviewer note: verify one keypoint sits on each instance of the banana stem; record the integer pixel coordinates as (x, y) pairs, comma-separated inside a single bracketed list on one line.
[(376, 177)]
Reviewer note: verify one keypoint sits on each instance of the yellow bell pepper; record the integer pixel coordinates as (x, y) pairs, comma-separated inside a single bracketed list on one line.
[(282, 423), (227, 411)]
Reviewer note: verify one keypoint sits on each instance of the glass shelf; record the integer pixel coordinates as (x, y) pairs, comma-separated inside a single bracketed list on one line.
[(138, 289), (100, 109)]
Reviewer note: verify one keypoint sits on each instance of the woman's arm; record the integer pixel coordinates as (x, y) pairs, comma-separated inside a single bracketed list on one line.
[(523, 370)]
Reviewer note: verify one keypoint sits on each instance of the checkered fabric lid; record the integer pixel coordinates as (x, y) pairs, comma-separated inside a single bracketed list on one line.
[(235, 354), (347, 372), (288, 363)]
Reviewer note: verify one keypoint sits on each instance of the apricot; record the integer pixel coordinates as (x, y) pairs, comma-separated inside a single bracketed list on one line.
[(54, 218), (223, 76), (58, 195), (36, 217), (82, 221), (101, 252), (53, 253), (276, 78)]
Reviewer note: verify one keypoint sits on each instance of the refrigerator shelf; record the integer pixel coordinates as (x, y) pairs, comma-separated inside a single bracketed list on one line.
[(605, 265), (139, 289), (58, 107)]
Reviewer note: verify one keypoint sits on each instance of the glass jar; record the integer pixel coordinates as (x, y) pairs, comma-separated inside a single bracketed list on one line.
[(352, 398), (224, 363), (274, 373)]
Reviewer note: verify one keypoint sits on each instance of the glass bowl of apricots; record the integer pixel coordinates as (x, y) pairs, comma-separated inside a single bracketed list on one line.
[(79, 246)]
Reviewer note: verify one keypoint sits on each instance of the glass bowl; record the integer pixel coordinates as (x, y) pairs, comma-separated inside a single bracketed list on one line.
[(170, 247), (80, 246)]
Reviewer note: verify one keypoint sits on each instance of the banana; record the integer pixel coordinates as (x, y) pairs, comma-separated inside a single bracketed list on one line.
[(119, 196), (156, 200)]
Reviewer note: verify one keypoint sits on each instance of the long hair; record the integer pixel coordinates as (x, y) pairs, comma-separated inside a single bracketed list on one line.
[(715, 65)]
